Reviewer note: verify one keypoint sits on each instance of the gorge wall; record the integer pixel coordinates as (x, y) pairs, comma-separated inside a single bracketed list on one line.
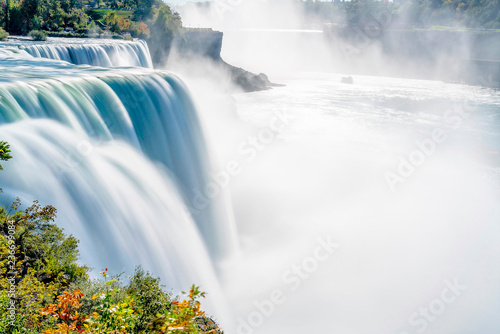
[(192, 43)]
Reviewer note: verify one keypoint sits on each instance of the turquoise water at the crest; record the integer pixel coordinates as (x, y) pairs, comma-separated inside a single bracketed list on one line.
[(90, 51)]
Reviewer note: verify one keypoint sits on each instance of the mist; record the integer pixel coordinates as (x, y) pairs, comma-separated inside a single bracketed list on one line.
[(364, 208), (280, 37)]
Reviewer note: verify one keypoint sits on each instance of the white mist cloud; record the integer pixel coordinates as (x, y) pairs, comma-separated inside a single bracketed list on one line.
[(324, 176)]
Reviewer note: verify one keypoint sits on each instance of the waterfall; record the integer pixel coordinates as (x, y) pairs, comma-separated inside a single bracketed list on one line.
[(110, 196), (95, 52), (120, 152)]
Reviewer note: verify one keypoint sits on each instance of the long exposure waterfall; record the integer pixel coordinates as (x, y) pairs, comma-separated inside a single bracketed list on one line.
[(94, 52), (120, 153), (360, 208)]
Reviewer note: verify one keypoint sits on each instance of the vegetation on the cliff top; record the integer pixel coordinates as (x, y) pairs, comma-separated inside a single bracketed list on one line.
[(81, 18), (44, 289)]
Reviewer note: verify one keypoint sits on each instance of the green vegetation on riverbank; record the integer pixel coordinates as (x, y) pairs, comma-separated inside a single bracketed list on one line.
[(99, 14), (77, 18)]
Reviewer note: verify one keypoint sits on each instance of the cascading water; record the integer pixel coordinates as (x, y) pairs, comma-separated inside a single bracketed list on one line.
[(86, 182), (121, 154), (96, 52)]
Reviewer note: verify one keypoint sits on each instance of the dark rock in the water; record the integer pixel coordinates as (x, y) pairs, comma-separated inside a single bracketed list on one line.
[(248, 81), (347, 80)]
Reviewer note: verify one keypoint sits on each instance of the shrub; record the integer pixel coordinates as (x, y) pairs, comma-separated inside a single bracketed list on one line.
[(3, 34), (66, 312), (94, 287), (4, 147), (113, 313), (185, 316), (149, 296), (141, 307), (38, 35)]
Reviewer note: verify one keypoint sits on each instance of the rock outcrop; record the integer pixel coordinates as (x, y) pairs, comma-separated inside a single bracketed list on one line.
[(208, 43)]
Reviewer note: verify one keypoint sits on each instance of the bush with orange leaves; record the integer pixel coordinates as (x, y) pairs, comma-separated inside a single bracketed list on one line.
[(185, 316), (115, 316), (66, 313)]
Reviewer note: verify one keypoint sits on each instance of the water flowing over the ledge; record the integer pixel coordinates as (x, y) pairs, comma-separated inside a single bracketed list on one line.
[(111, 198), (121, 153), (89, 51)]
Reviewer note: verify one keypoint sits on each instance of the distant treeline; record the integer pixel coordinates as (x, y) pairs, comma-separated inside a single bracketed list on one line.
[(478, 14)]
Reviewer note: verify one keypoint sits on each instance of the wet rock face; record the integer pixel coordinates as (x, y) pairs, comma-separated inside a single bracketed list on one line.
[(248, 81), (207, 43), (199, 42)]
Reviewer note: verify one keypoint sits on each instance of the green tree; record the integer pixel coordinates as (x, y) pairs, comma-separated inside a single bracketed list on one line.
[(149, 296), (4, 152), (112, 21), (17, 20), (31, 21), (7, 14), (42, 245), (37, 262), (77, 19), (166, 24)]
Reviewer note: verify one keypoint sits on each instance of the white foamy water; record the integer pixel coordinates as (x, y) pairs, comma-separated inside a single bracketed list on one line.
[(418, 253)]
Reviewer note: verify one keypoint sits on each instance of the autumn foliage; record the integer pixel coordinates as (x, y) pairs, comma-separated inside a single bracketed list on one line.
[(66, 312), (54, 295)]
